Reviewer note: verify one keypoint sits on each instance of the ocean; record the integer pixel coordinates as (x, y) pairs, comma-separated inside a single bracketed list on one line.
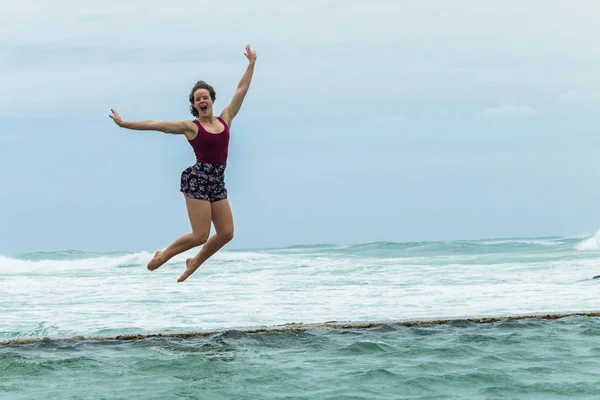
[(486, 319)]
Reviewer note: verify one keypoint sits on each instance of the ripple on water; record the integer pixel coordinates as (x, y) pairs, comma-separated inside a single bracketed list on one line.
[(465, 361)]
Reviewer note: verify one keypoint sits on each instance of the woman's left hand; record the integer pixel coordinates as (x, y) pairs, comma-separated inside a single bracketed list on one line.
[(250, 54)]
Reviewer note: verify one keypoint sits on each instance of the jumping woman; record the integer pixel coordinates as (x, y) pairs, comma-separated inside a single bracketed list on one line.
[(203, 183)]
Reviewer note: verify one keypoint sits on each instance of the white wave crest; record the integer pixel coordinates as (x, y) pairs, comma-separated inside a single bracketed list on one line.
[(108, 262), (592, 243), (96, 263)]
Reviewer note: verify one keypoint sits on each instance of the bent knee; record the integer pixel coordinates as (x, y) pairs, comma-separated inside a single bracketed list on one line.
[(200, 238), (226, 236)]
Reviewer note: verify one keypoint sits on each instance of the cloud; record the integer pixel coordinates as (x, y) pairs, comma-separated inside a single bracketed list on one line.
[(311, 53), (146, 54), (579, 97), (507, 112), (393, 118)]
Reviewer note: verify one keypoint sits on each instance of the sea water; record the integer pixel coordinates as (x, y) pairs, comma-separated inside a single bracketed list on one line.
[(75, 315)]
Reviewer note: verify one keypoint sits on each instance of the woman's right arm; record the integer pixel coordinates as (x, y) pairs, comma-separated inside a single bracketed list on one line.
[(183, 127)]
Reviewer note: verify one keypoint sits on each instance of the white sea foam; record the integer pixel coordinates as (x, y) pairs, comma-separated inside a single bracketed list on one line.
[(93, 263), (95, 295), (591, 243)]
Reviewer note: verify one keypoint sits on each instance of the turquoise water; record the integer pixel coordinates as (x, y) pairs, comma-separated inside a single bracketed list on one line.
[(504, 360), (52, 296)]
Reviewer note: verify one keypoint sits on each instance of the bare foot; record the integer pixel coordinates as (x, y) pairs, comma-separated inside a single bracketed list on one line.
[(191, 265), (156, 261)]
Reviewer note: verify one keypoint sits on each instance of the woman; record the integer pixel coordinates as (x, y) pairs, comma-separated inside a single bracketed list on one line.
[(202, 184)]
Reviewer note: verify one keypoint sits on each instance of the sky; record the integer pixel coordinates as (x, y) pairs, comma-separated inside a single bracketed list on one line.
[(371, 121)]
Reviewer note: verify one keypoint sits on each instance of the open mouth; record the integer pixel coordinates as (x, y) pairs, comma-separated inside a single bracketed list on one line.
[(203, 107)]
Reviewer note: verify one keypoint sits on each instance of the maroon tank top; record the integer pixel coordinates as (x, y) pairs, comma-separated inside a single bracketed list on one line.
[(211, 147)]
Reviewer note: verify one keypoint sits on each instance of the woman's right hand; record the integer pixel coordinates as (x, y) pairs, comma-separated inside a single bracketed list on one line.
[(116, 117)]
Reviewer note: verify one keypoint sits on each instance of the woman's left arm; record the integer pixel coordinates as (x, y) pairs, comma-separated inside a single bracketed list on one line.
[(234, 106)]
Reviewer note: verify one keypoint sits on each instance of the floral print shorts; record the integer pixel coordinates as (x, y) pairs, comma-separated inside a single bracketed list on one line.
[(204, 181)]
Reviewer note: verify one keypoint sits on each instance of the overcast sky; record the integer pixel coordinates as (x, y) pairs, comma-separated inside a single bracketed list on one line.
[(366, 121)]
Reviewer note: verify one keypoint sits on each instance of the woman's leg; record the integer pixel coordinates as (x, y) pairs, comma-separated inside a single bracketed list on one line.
[(222, 219), (199, 212)]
